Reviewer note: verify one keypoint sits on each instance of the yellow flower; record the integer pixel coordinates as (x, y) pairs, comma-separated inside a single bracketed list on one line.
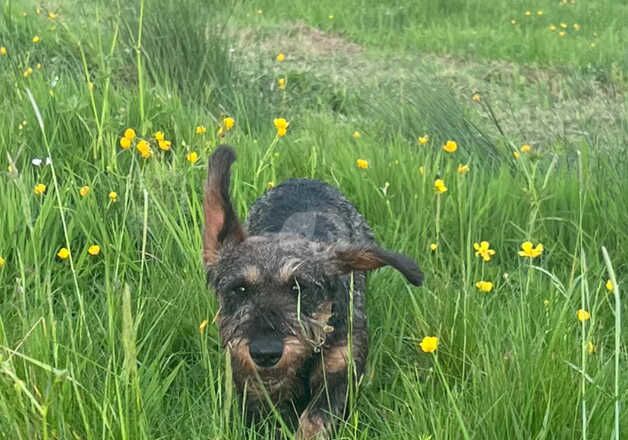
[(563, 25), (280, 57), (546, 302), (562, 33), (129, 133), (64, 253), (159, 136), (93, 250), (201, 129), (583, 315), (38, 66), (433, 247), (281, 83), (422, 140), (228, 123), (528, 13), (513, 22), (484, 286), (516, 154), (552, 28), (476, 97), (356, 135), (483, 249), (270, 185), (429, 344), (281, 125), (591, 348), (463, 169), (202, 326), (39, 189), (3, 51), (36, 39), (576, 27), (125, 143), (52, 15), (609, 285), (164, 144), (539, 13), (362, 164), (113, 196), (192, 157), (528, 249), (2, 262), (144, 149), (450, 146), (27, 72), (84, 191), (525, 148), (439, 186)]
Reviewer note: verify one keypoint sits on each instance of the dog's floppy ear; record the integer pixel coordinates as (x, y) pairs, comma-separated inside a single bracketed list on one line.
[(221, 222), (346, 259)]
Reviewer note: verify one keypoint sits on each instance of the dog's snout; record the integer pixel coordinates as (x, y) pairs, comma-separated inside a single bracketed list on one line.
[(266, 351)]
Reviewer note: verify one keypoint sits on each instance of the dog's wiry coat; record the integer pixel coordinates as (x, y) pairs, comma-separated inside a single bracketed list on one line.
[(284, 288)]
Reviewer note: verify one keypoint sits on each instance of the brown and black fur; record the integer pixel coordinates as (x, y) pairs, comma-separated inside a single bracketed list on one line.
[(284, 288)]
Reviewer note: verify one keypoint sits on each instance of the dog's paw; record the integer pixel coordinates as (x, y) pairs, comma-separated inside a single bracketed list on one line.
[(312, 427)]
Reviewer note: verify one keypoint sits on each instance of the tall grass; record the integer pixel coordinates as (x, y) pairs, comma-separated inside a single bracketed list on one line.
[(109, 346)]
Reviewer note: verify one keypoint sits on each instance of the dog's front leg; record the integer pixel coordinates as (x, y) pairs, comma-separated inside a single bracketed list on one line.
[(329, 384)]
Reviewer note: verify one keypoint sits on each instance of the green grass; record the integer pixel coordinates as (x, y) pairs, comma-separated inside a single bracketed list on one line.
[(109, 346), (471, 28)]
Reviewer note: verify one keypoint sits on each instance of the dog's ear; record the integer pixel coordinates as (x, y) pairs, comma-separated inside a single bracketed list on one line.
[(221, 222), (346, 259)]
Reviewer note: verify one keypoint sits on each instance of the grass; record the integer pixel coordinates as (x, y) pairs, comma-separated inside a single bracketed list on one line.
[(109, 346), (473, 28)]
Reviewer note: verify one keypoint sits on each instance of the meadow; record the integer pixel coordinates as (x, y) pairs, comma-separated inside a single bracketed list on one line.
[(447, 123)]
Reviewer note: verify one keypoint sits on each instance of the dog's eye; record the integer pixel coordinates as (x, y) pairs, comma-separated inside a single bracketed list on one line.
[(240, 290)]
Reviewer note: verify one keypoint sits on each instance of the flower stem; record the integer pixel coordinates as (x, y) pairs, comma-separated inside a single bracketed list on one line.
[(452, 400), (140, 73), (262, 163), (437, 220)]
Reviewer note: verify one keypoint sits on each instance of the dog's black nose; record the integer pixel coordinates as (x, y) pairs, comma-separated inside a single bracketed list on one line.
[(265, 351)]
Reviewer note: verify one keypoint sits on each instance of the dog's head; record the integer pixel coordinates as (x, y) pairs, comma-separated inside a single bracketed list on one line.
[(277, 292)]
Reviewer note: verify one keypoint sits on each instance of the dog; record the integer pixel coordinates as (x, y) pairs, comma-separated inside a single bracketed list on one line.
[(287, 286)]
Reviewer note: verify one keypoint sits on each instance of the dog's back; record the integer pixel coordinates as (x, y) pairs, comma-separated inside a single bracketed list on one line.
[(309, 208)]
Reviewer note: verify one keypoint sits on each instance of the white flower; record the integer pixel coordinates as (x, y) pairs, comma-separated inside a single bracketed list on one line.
[(37, 162)]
